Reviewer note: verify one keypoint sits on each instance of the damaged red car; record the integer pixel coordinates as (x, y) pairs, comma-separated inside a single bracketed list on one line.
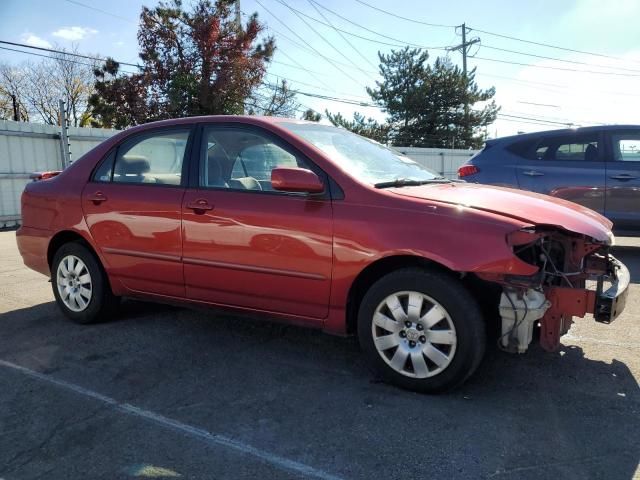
[(319, 227)]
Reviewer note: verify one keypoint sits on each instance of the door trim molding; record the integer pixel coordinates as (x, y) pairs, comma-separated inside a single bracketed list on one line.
[(254, 269), (135, 253)]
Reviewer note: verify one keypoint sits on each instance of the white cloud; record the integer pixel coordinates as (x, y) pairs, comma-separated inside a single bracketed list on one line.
[(74, 33), (31, 39)]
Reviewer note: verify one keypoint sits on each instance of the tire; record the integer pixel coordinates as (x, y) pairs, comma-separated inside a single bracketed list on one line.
[(459, 340), (85, 274)]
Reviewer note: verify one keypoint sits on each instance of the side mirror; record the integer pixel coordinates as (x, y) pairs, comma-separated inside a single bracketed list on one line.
[(287, 179)]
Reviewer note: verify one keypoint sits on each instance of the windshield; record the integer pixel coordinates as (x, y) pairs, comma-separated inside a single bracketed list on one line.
[(363, 159)]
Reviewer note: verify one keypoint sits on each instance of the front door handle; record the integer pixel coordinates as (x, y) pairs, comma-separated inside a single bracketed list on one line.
[(623, 176), (98, 198), (532, 173), (199, 206)]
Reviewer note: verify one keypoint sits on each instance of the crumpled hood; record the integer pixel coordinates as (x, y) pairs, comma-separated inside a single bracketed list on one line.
[(530, 207)]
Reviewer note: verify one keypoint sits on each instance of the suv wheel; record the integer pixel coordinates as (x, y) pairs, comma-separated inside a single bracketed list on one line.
[(80, 285), (421, 330)]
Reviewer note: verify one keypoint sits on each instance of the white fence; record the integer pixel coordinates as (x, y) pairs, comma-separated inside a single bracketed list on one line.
[(31, 147), (443, 161)]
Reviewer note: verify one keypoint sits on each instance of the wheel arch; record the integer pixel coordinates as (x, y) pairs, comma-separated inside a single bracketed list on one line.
[(67, 236), (375, 271)]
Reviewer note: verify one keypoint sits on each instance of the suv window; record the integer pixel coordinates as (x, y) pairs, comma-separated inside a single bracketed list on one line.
[(241, 159), (152, 159), (571, 147), (626, 148)]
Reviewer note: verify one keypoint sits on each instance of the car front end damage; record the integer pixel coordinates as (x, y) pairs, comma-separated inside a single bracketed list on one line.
[(576, 275)]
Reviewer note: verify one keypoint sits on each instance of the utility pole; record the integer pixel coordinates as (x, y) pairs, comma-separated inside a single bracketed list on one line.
[(65, 146), (16, 112), (464, 48), (238, 16)]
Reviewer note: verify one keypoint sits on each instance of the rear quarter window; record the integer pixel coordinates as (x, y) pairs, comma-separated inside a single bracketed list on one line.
[(523, 148)]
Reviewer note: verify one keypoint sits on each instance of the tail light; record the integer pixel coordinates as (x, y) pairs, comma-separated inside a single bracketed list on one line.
[(44, 175), (466, 170)]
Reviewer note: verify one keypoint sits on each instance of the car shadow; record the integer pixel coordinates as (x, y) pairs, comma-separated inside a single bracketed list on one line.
[(282, 388)]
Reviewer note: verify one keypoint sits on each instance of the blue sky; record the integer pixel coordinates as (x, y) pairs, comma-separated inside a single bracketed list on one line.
[(535, 90)]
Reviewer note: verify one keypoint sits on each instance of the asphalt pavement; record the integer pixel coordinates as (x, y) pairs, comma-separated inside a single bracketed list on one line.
[(167, 392)]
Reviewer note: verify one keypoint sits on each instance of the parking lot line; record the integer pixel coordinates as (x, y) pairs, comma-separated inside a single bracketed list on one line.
[(177, 426)]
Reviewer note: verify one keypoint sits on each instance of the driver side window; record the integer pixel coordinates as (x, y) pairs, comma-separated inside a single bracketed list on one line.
[(242, 160)]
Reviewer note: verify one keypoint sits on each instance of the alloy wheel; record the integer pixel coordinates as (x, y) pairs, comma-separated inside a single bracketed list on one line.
[(414, 334), (74, 283)]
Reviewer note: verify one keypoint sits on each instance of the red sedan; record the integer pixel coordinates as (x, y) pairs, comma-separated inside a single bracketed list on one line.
[(319, 227)]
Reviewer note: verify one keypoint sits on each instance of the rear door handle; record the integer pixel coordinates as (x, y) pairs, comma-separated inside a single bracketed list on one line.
[(532, 173), (98, 198), (623, 176), (199, 206)]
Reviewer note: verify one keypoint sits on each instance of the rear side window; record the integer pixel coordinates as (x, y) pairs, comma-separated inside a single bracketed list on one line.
[(522, 147), (626, 147), (152, 159), (568, 148)]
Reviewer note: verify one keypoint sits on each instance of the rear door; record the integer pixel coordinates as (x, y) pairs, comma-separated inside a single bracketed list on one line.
[(623, 180), (132, 206), (569, 166)]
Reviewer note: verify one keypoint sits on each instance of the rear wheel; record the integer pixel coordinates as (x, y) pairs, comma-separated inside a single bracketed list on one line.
[(80, 286), (421, 330)]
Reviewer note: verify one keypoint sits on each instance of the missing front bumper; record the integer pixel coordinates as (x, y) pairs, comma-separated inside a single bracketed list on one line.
[(556, 306)]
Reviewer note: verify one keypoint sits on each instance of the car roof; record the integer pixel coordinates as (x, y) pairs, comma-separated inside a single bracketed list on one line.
[(223, 118), (562, 131)]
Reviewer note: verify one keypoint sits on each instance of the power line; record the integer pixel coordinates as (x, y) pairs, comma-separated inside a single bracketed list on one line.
[(575, 62), (500, 35), (551, 122), (400, 45), (553, 87), (62, 52), (329, 97), (306, 84), (53, 58), (324, 40), (547, 67), (305, 42), (313, 4), (405, 18), (75, 2), (552, 119), (353, 101), (548, 45), (530, 122), (304, 47), (296, 66)]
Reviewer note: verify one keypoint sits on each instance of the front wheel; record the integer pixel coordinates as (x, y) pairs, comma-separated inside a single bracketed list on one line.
[(80, 285), (421, 330)]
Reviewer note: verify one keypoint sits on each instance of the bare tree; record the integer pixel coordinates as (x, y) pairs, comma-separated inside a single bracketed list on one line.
[(38, 87), (12, 84), (273, 100), (76, 83)]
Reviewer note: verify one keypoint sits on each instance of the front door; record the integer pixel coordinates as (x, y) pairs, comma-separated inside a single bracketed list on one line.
[(244, 243), (569, 166), (133, 209), (623, 181)]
